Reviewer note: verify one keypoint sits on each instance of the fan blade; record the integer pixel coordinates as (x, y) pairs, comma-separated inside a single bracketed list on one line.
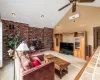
[(64, 6), (74, 7), (86, 0)]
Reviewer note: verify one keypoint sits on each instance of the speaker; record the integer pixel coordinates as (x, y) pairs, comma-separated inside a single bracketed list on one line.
[(11, 26), (88, 52)]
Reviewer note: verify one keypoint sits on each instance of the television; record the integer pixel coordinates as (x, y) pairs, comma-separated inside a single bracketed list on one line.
[(66, 47)]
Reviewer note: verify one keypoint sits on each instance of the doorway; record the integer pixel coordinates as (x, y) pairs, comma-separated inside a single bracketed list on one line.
[(96, 31)]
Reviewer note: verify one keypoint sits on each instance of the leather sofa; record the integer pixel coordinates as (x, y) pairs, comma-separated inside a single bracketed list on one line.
[(44, 71)]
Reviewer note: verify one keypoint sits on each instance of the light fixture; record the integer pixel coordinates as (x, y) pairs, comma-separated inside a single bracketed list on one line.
[(42, 16), (74, 16), (22, 47), (13, 14)]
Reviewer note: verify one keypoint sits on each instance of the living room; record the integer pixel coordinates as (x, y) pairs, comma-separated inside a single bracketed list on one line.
[(39, 42)]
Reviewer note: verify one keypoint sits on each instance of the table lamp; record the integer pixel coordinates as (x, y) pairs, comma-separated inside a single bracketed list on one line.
[(22, 47)]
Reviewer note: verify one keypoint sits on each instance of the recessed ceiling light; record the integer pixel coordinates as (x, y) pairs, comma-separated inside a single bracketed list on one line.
[(42, 16), (13, 14)]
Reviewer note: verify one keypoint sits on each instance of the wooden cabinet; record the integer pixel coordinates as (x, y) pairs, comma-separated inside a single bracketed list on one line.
[(79, 44), (83, 46), (77, 53), (57, 40)]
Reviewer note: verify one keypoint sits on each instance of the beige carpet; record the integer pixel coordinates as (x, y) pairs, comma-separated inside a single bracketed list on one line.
[(73, 69), (6, 73)]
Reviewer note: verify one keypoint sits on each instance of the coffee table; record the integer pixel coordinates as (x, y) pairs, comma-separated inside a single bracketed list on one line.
[(60, 64)]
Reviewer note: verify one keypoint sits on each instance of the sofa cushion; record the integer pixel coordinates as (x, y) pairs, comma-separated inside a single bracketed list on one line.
[(26, 63)]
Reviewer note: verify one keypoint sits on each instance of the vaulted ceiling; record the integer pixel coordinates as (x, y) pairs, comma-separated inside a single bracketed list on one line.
[(30, 11)]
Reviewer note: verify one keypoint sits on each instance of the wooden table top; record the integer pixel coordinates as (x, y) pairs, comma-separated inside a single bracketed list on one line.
[(49, 56), (57, 61)]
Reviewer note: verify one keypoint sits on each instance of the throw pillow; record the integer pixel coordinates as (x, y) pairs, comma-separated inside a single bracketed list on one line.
[(26, 63), (36, 63)]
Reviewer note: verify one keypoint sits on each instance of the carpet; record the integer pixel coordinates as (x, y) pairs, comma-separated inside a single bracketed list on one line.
[(76, 64)]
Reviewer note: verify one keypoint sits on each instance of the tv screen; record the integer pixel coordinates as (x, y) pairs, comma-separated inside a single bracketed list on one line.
[(68, 46)]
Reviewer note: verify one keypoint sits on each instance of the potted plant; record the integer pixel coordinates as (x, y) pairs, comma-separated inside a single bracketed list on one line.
[(13, 40)]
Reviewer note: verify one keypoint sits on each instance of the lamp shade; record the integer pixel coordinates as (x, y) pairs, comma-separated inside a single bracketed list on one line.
[(22, 47)]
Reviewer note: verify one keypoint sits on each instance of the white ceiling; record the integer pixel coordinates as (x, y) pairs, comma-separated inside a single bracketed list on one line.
[(30, 11)]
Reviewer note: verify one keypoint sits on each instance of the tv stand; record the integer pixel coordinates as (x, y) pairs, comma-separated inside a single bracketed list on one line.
[(79, 43)]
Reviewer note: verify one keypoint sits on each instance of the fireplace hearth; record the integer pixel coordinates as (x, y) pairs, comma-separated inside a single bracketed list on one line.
[(37, 44)]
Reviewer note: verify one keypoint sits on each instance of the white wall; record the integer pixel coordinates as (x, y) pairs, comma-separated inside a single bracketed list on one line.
[(0, 44)]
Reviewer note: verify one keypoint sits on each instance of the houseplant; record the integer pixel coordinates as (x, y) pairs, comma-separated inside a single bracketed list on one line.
[(13, 40)]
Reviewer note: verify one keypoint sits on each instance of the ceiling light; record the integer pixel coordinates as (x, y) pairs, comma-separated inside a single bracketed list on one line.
[(42, 16), (13, 14), (74, 16)]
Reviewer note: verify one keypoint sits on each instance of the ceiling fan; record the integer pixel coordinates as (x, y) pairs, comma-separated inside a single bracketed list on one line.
[(73, 2)]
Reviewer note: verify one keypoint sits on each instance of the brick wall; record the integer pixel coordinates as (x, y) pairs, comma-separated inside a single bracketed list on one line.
[(35, 33), (27, 34), (44, 34), (48, 37), (23, 28)]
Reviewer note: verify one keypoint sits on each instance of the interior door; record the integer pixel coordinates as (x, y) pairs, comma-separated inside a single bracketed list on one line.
[(96, 37), (1, 45)]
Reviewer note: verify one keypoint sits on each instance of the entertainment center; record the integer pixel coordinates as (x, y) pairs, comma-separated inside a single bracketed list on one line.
[(66, 48), (77, 48)]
